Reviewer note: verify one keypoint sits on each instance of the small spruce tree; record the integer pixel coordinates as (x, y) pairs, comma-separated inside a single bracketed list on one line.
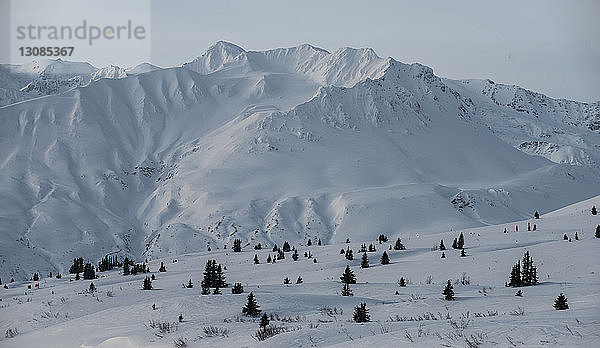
[(256, 261), (348, 277), (460, 244), (309, 243), (299, 280), (346, 290), (597, 231), (287, 281), (190, 284), (385, 260), (349, 255), (36, 277), (237, 245), (576, 236), (399, 245), (442, 246), (402, 282), (594, 211), (147, 284), (319, 242), (565, 237), (237, 288), (264, 321), (275, 248), (162, 267), (251, 309), (295, 255), (286, 246), (361, 314), (560, 303), (365, 261), (92, 287), (462, 253), (536, 215), (443, 255), (448, 291)]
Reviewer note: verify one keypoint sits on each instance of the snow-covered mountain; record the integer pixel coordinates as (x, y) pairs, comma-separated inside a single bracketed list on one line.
[(285, 144)]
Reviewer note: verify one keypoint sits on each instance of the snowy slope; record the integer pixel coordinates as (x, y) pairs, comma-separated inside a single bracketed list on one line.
[(286, 144), (61, 313)]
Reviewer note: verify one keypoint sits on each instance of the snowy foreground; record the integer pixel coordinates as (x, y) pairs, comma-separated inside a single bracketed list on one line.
[(62, 314)]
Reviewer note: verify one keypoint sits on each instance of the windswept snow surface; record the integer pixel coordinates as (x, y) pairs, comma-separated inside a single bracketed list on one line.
[(61, 313), (287, 144)]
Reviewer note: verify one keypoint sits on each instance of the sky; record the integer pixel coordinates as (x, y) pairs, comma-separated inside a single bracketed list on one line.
[(545, 45)]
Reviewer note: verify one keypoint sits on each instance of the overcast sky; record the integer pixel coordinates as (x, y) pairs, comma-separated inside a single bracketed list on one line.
[(547, 46)]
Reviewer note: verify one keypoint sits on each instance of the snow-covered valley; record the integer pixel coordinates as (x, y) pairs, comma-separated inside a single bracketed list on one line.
[(484, 313)]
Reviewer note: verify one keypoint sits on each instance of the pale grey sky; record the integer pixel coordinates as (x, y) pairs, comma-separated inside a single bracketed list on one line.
[(544, 45), (547, 46)]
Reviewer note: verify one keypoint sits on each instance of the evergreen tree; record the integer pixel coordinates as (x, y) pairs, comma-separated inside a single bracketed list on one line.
[(519, 293), (461, 241), (594, 211), (153, 277), (251, 309), (319, 242), (92, 287), (256, 261), (126, 265), (258, 247), (385, 260), (299, 280), (89, 272), (237, 288), (213, 275), (462, 253), (528, 226), (295, 255), (237, 245), (309, 243), (147, 284), (443, 255), (442, 246), (528, 271), (565, 237), (349, 255), (77, 277), (363, 248), (361, 314), (269, 259), (399, 245), (597, 231), (534, 227), (536, 215), (180, 318), (287, 281), (560, 303), (576, 236), (515, 275), (286, 246), (448, 292), (36, 277), (264, 321), (454, 244), (190, 284), (162, 267), (365, 261), (275, 248), (205, 291), (348, 277), (402, 282), (77, 266), (280, 255), (372, 248), (346, 290)]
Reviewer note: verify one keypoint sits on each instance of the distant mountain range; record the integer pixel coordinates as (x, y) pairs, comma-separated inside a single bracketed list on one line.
[(285, 144)]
